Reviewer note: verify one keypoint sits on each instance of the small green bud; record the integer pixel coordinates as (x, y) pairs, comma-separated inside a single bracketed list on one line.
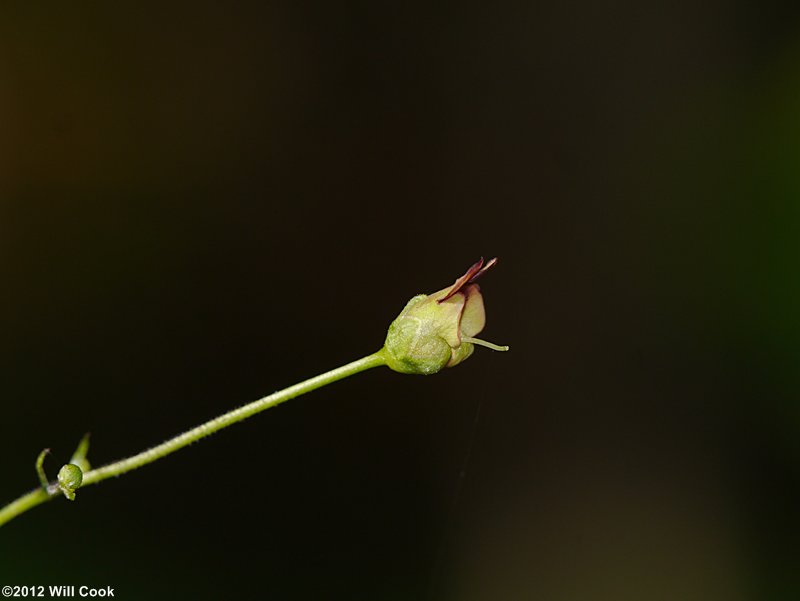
[(436, 331), (70, 478)]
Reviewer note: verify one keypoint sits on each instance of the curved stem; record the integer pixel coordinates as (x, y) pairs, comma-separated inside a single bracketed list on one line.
[(23, 504), (40, 495)]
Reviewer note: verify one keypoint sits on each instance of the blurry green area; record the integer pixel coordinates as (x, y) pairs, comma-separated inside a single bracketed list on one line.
[(769, 350)]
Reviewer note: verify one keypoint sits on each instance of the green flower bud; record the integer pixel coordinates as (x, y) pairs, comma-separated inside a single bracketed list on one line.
[(437, 330), (70, 477)]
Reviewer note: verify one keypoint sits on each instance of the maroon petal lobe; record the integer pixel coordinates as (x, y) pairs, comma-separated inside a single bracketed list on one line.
[(484, 269), (472, 273)]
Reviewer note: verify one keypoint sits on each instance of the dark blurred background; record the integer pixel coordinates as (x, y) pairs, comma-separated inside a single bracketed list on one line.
[(201, 204)]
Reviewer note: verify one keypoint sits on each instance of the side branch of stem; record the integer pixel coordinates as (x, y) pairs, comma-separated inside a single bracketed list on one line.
[(40, 495)]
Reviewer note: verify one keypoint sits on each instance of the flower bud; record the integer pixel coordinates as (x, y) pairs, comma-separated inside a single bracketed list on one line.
[(437, 330), (70, 477)]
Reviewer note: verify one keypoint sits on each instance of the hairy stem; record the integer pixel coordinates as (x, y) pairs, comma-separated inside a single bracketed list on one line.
[(40, 495)]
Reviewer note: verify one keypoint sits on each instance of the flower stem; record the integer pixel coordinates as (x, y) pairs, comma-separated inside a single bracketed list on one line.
[(40, 495)]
